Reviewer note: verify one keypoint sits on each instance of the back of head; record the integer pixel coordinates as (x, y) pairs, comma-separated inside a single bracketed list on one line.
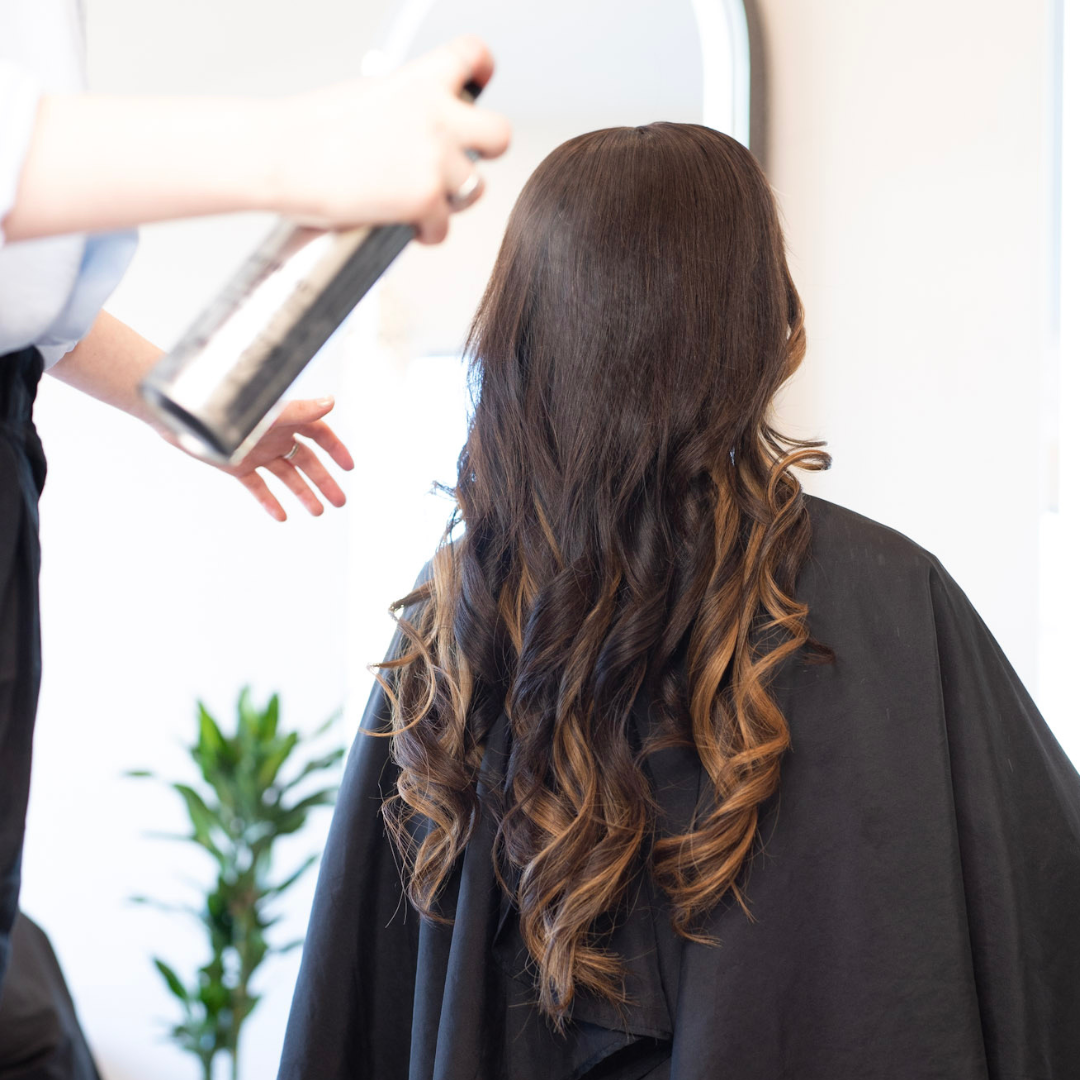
[(631, 521), (640, 316)]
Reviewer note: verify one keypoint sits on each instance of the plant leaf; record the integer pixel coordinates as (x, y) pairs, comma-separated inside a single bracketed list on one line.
[(215, 995), (268, 725), (323, 797), (319, 764), (161, 905), (173, 981), (212, 752), (277, 890), (249, 719), (290, 819), (202, 817), (211, 741), (328, 723), (203, 820), (276, 759), (136, 774)]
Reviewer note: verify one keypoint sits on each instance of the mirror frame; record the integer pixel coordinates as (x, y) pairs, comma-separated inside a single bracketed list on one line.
[(731, 35)]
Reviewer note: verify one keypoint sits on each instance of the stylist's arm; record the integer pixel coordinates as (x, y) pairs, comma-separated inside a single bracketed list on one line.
[(110, 362), (362, 152)]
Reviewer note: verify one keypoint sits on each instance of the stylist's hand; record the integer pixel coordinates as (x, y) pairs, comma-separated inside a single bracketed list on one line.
[(391, 149), (303, 418)]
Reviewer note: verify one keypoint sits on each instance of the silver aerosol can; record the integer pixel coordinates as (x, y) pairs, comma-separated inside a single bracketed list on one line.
[(219, 388)]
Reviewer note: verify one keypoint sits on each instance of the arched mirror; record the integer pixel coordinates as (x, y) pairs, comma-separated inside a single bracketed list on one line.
[(559, 74)]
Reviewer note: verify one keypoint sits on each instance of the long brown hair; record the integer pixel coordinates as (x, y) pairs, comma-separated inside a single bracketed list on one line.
[(630, 520)]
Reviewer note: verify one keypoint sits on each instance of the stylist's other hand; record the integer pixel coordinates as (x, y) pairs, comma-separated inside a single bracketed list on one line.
[(303, 418), (390, 149)]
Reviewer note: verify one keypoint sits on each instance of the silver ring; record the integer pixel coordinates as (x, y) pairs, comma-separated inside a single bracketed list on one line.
[(292, 453), (464, 194)]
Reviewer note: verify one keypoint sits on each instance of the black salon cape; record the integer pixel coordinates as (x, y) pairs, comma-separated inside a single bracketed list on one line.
[(916, 904)]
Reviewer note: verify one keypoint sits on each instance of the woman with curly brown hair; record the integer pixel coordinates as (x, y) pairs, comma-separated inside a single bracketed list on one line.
[(685, 773)]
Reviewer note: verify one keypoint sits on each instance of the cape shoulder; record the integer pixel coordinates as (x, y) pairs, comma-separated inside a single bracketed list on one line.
[(914, 900)]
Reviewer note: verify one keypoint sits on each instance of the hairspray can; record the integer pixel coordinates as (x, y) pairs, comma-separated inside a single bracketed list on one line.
[(219, 388)]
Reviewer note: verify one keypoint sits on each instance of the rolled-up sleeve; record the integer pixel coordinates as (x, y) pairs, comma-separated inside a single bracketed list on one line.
[(19, 95)]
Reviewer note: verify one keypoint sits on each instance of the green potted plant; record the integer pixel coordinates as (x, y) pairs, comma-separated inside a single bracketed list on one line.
[(246, 802)]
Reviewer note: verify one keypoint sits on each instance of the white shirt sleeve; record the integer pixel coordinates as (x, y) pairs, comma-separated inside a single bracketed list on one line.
[(51, 288), (19, 95)]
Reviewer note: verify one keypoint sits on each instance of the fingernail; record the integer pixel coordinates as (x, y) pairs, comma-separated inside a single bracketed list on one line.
[(324, 402)]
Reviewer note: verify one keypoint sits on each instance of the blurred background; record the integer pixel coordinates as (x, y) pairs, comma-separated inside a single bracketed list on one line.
[(921, 154)]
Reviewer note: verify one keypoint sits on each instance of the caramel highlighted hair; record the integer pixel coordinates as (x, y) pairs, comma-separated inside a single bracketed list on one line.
[(631, 522)]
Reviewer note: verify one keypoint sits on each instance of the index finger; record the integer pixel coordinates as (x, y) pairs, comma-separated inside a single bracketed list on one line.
[(323, 435)]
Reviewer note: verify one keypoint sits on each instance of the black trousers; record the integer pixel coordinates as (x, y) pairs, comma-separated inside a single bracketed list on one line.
[(22, 476)]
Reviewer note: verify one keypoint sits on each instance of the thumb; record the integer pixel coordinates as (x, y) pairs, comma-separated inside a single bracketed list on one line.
[(304, 411)]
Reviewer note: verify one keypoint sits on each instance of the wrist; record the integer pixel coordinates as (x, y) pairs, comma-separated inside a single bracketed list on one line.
[(272, 136)]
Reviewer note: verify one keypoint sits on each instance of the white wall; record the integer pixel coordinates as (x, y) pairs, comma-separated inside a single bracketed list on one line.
[(909, 152), (1061, 528)]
